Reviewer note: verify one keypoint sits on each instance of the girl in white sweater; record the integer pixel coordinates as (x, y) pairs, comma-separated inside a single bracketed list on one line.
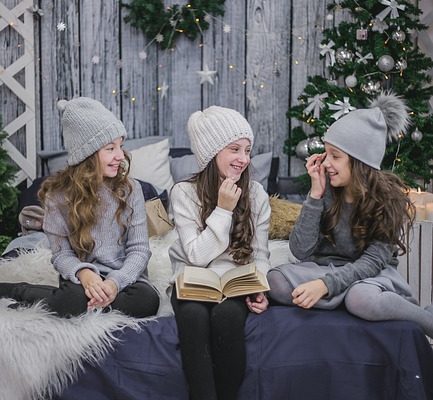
[(222, 219)]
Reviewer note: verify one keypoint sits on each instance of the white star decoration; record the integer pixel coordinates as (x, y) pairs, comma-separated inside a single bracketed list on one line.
[(206, 75), (159, 37), (227, 28), (163, 90), (95, 60), (142, 55), (61, 26)]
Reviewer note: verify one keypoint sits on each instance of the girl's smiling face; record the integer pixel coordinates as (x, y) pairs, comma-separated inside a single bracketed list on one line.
[(110, 157), (234, 159), (337, 165)]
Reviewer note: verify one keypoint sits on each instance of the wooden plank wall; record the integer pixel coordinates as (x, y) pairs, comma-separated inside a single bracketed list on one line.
[(254, 64)]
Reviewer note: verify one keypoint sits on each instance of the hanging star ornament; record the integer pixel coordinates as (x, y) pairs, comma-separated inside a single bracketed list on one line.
[(61, 26), (142, 55), (227, 28), (163, 90), (206, 75), (95, 60)]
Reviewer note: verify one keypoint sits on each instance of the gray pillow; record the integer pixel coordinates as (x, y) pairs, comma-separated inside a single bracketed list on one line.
[(184, 167)]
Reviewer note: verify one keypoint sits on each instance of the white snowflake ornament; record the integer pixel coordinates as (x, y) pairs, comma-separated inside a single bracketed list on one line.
[(61, 26)]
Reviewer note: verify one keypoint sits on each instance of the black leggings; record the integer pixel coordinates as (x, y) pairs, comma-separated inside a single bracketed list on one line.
[(212, 345), (137, 300)]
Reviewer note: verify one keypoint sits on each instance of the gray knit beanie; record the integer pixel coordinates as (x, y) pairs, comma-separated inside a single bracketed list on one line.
[(87, 127), (363, 133), (213, 129)]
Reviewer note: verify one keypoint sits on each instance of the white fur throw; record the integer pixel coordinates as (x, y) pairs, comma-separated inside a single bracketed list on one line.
[(40, 353)]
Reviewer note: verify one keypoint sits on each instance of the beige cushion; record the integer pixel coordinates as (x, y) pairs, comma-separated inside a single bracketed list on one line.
[(151, 164)]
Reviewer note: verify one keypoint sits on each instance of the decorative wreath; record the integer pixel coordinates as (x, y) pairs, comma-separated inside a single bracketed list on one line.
[(164, 25)]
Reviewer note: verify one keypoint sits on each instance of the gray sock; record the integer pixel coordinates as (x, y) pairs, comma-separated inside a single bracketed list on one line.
[(371, 303)]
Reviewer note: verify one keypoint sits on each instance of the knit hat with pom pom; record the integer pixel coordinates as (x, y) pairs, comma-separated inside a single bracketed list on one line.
[(87, 127), (213, 129), (363, 133)]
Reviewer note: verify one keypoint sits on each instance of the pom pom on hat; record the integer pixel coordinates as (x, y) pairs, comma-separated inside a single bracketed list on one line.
[(363, 133), (213, 129), (61, 105), (394, 111), (87, 127)]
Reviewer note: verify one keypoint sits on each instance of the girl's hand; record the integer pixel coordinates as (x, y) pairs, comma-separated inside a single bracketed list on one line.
[(228, 194), (110, 289), (93, 286), (309, 293), (316, 170), (257, 303)]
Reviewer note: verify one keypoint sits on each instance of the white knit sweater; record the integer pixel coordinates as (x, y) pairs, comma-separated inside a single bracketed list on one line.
[(208, 248)]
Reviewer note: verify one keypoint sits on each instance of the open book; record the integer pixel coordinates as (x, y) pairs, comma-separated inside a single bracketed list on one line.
[(205, 285)]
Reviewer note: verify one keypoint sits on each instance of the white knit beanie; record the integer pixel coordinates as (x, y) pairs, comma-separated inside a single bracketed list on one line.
[(363, 133), (213, 129), (87, 127)]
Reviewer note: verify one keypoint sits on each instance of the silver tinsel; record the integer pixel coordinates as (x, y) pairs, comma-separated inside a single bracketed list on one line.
[(401, 65), (343, 56), (399, 36), (371, 87), (385, 63)]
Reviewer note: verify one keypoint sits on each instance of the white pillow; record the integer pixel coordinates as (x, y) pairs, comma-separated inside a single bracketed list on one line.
[(151, 164)]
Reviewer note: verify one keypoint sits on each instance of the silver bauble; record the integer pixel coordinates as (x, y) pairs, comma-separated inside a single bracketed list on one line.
[(343, 56), (416, 135), (385, 63), (399, 36), (371, 87), (351, 81), (401, 65), (301, 149), (315, 145)]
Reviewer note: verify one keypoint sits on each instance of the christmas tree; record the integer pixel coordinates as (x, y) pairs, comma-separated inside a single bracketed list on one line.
[(374, 51)]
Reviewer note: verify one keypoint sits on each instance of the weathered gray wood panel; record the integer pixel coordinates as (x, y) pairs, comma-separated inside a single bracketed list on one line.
[(267, 66), (255, 64), (139, 81), (99, 33), (59, 66)]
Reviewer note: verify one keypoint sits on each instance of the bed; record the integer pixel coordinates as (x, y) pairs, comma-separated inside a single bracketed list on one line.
[(291, 353)]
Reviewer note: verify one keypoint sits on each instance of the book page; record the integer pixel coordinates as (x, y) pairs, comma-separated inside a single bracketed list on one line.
[(201, 276), (241, 271)]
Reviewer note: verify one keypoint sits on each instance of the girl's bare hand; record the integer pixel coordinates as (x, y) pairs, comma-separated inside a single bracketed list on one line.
[(316, 170), (228, 194), (309, 293)]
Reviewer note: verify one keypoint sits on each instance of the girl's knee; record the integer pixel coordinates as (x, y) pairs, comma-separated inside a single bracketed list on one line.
[(281, 288)]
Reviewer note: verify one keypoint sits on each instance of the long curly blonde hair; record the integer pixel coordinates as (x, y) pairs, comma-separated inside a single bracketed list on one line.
[(382, 209), (79, 185), (242, 232)]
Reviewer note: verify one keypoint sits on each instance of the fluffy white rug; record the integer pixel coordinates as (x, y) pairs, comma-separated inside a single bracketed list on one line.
[(40, 353)]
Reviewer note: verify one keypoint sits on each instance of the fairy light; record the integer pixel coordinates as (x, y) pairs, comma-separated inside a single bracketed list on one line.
[(133, 99), (261, 86), (113, 91), (231, 66)]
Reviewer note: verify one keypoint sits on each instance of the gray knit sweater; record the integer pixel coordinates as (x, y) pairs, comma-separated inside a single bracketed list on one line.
[(208, 248), (124, 263), (308, 244)]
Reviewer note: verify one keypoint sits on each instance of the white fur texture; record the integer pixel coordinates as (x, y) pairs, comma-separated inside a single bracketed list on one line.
[(40, 353)]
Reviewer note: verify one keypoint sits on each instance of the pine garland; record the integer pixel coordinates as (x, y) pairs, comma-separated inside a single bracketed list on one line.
[(165, 25)]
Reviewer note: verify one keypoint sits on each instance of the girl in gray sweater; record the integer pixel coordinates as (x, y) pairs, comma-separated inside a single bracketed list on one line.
[(95, 222), (352, 225)]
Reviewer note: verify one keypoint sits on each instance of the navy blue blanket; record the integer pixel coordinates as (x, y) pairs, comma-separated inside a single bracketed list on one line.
[(291, 354)]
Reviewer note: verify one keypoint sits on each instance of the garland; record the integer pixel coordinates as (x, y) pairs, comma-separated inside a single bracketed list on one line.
[(166, 25)]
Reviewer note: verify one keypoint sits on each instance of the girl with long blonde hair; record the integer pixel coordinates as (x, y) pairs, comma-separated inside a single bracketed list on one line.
[(95, 222)]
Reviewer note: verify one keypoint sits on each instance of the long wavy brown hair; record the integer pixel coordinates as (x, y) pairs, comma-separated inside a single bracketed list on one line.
[(382, 209), (208, 183), (79, 185)]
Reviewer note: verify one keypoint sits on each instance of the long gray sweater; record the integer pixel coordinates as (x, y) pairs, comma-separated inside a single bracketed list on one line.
[(124, 263), (308, 244)]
